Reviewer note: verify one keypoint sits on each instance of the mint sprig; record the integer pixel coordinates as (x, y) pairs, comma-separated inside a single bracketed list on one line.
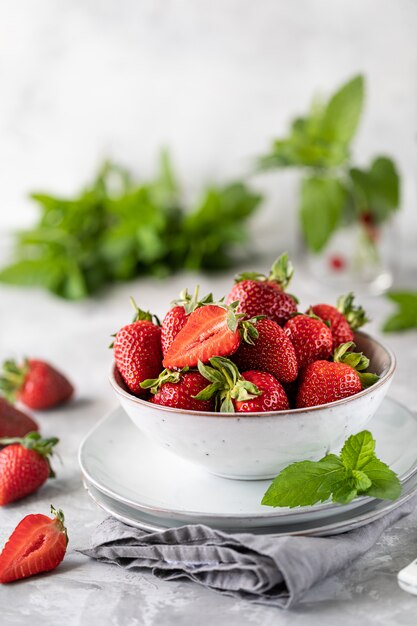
[(405, 318), (356, 472)]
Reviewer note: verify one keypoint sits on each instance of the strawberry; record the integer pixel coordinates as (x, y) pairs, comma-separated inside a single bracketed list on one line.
[(14, 423), (264, 295), (271, 351), (211, 330), (311, 338), (176, 317), (327, 381), (248, 392), (343, 319), (178, 389), (24, 466), (273, 396), (37, 544), (35, 383), (137, 350)]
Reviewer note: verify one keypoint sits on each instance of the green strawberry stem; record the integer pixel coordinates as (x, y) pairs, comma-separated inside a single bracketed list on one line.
[(166, 376), (357, 360), (282, 271), (191, 302), (60, 519), (33, 441), (140, 314), (355, 315), (227, 384), (13, 378)]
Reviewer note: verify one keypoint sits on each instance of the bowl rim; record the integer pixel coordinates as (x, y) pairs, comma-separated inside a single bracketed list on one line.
[(167, 409)]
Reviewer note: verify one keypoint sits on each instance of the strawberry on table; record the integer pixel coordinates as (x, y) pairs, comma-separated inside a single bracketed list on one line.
[(311, 338), (137, 350), (327, 381), (35, 383), (177, 316), (344, 318), (24, 465), (178, 389), (271, 351), (14, 423), (258, 294), (249, 392), (211, 330), (38, 544)]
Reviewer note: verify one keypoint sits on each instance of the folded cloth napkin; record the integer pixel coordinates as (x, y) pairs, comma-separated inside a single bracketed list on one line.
[(275, 571)]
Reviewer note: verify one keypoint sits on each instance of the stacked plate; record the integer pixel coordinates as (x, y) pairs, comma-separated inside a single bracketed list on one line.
[(145, 486)]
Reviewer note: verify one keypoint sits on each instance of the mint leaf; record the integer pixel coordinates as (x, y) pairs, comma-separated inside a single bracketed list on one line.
[(357, 472), (376, 190), (358, 450), (306, 482), (118, 228), (322, 201), (406, 316), (343, 112), (361, 481), (385, 482), (345, 493)]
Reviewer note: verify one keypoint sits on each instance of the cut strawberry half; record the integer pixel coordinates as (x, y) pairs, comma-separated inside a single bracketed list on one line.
[(38, 544), (210, 331)]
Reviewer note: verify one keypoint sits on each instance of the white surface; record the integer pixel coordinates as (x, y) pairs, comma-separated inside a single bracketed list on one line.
[(407, 578), (214, 80), (255, 446), (121, 461), (85, 593)]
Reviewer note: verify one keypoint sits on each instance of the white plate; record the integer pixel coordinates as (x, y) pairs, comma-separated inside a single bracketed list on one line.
[(343, 521), (120, 462)]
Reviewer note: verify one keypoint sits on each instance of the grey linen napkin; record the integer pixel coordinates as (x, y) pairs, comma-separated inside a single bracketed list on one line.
[(275, 571)]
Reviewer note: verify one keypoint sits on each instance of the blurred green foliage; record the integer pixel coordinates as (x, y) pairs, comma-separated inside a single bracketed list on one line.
[(117, 229), (333, 192)]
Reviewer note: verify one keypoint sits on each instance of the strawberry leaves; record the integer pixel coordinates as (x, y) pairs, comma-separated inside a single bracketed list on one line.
[(227, 384), (357, 471), (358, 361)]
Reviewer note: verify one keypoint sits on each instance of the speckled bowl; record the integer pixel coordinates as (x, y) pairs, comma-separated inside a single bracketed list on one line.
[(252, 446)]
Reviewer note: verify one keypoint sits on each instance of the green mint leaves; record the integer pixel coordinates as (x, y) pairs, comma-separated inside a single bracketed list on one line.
[(321, 209), (405, 317), (333, 193), (118, 228), (357, 471)]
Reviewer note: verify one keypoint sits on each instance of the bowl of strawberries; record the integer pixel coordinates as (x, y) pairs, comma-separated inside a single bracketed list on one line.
[(249, 384)]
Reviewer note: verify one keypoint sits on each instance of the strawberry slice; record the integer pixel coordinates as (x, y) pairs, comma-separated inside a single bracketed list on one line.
[(210, 331), (38, 544)]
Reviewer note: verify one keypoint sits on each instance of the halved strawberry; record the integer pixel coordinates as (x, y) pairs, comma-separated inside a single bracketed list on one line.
[(176, 317), (38, 544), (211, 330)]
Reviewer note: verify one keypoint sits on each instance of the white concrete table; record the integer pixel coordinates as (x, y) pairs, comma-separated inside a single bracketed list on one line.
[(85, 593)]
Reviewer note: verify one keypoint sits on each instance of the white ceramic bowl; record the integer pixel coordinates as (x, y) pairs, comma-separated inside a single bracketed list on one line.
[(259, 445)]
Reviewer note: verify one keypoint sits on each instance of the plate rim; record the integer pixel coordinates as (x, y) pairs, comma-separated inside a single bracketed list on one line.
[(185, 515), (322, 530)]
